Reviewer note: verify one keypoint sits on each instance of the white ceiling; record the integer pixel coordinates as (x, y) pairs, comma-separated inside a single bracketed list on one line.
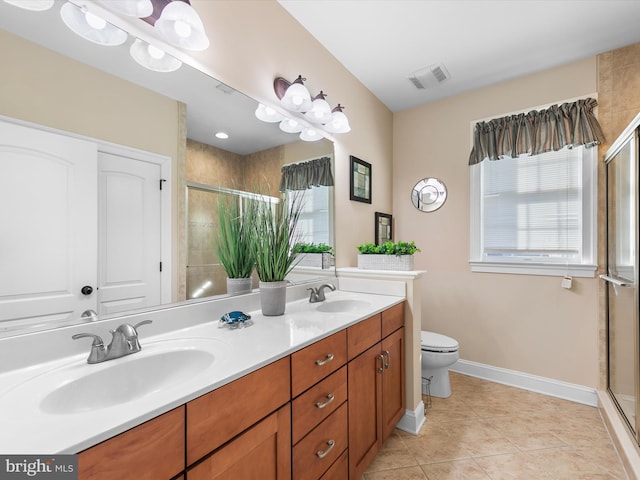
[(480, 42)]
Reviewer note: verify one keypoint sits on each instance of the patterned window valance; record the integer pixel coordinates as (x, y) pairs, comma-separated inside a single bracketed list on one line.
[(303, 175), (567, 125)]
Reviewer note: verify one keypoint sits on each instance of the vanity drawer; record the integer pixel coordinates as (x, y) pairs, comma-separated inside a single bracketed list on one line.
[(315, 362), (363, 335), (392, 319), (339, 470), (317, 403), (153, 450), (218, 416), (317, 451)]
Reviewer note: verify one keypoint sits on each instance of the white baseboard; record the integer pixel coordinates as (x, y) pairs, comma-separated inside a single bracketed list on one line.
[(546, 386), (413, 420)]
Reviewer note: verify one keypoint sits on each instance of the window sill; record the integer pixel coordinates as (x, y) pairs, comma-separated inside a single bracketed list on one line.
[(587, 271)]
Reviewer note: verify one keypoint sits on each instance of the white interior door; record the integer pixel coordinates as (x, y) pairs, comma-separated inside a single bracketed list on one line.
[(48, 226), (129, 233)]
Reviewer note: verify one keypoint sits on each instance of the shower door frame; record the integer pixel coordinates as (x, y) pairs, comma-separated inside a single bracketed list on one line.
[(631, 132)]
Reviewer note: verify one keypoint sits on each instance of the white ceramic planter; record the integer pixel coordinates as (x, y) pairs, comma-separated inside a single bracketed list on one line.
[(319, 260), (385, 262), (273, 298), (238, 286)]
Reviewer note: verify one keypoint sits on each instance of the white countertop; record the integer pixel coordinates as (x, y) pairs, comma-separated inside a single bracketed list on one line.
[(26, 428)]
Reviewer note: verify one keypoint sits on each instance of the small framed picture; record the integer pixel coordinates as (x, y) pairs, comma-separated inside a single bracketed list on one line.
[(360, 180), (384, 228)]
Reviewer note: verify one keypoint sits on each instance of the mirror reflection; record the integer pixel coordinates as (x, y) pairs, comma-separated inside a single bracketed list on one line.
[(58, 81)]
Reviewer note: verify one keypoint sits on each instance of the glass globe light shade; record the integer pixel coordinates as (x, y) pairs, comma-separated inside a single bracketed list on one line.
[(290, 125), (91, 27), (320, 110), (181, 26), (310, 135), (268, 114), (297, 97), (339, 122), (153, 58)]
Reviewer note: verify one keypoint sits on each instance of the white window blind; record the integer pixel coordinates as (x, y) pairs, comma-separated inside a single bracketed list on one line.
[(535, 209), (314, 224)]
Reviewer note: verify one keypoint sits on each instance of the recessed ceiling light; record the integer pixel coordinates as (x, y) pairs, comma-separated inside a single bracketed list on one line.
[(222, 135)]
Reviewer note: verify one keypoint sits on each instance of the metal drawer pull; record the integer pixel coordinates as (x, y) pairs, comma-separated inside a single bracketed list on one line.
[(388, 361), (322, 454), (381, 358), (330, 398), (326, 359)]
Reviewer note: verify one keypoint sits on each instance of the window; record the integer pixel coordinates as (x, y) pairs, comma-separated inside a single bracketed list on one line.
[(535, 214), (314, 224)]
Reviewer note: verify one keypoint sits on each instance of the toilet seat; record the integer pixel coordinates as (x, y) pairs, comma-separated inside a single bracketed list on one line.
[(435, 342)]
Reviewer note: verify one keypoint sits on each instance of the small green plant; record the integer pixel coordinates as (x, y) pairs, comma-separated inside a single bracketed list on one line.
[(388, 248), (302, 247)]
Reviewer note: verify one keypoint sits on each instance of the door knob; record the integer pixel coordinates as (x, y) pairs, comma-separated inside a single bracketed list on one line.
[(87, 290)]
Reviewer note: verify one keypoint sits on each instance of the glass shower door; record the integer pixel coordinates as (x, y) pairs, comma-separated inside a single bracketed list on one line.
[(621, 278)]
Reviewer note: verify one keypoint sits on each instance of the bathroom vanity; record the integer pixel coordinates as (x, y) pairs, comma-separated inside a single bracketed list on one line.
[(311, 394)]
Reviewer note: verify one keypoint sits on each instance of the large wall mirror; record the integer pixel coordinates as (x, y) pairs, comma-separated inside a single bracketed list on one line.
[(54, 78)]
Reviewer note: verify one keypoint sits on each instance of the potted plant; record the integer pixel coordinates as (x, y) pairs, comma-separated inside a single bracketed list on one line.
[(233, 244), (387, 255), (313, 254), (272, 245)]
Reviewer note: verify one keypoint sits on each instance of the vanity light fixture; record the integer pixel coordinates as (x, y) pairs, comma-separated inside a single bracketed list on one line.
[(91, 27), (33, 5), (181, 26), (296, 98), (130, 8), (152, 57)]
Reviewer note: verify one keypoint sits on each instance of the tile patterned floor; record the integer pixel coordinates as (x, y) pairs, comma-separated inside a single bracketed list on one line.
[(488, 431)]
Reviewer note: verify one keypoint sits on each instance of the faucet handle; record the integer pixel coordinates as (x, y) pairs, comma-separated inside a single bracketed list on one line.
[(97, 352), (144, 322), (97, 340), (313, 296)]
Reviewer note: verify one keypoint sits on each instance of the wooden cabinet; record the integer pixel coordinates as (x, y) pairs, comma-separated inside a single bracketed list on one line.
[(218, 416), (319, 409), (151, 451), (375, 386), (321, 413), (263, 451)]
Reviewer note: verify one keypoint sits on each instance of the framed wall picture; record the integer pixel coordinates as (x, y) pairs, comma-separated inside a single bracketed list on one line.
[(384, 228), (360, 180)]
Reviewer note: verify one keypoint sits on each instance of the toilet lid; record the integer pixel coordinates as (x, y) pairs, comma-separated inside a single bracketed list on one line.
[(434, 342)]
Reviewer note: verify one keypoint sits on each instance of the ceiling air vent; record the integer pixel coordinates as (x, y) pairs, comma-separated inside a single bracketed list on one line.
[(430, 76)]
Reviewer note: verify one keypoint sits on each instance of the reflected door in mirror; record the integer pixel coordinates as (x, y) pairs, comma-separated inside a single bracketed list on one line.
[(47, 226)]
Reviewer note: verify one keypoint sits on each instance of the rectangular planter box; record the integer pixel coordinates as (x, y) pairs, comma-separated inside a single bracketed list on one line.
[(319, 260), (385, 262)]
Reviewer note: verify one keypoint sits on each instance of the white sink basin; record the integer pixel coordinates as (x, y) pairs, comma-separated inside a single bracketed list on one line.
[(342, 306), (126, 381), (77, 386)]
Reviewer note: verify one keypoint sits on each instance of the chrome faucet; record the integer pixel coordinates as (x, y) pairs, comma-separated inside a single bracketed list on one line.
[(317, 294), (124, 342)]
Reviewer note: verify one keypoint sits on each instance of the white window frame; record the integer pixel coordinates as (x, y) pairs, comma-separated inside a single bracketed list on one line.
[(587, 266)]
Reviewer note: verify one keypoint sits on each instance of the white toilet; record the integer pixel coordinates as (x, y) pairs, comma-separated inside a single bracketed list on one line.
[(438, 353)]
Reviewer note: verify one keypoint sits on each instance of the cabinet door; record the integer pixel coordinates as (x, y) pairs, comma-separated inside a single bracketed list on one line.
[(262, 452), (364, 375), (393, 391), (151, 451)]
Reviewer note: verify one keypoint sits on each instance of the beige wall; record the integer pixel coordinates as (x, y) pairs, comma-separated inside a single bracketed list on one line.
[(254, 41), (519, 322)]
